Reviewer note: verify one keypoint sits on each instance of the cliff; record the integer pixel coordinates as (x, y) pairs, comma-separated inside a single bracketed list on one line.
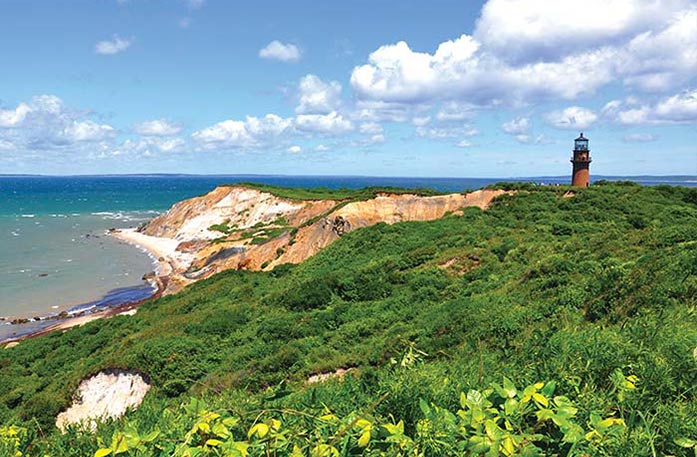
[(240, 227)]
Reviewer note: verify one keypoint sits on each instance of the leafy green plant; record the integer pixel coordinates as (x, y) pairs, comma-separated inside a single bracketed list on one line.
[(501, 420)]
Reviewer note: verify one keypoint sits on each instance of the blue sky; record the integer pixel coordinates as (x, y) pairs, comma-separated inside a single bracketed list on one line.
[(496, 88)]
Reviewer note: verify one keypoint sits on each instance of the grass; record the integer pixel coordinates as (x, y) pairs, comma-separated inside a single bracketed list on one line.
[(321, 193), (539, 288)]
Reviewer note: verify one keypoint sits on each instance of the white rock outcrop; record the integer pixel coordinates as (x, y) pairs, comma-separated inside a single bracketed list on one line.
[(108, 394)]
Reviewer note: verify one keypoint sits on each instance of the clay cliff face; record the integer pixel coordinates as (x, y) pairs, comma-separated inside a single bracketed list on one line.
[(239, 207), (243, 228), (384, 208)]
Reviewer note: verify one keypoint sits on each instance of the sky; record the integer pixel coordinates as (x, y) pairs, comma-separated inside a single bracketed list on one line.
[(451, 88)]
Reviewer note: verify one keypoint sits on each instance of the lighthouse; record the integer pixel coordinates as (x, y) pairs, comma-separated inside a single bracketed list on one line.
[(581, 160)]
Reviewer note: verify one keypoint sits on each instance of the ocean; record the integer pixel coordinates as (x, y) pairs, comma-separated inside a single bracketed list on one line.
[(55, 255)]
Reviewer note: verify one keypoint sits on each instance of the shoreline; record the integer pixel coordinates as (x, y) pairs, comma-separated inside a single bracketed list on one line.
[(160, 250), (124, 309)]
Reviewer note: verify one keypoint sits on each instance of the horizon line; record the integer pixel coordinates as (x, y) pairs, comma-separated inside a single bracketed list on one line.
[(204, 175)]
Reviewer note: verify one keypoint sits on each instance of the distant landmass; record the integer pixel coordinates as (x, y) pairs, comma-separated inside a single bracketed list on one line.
[(193, 175)]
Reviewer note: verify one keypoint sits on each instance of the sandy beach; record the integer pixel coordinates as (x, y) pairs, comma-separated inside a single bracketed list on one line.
[(164, 250), (161, 249)]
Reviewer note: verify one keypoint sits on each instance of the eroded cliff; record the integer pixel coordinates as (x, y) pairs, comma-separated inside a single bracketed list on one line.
[(238, 227)]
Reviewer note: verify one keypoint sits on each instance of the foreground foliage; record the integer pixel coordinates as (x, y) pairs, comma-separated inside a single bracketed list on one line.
[(498, 421), (594, 295)]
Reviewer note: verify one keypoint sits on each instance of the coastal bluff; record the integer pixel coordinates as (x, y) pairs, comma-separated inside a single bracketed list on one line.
[(245, 227)]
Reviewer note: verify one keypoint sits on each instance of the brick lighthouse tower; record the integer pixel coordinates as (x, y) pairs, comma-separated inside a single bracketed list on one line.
[(582, 161)]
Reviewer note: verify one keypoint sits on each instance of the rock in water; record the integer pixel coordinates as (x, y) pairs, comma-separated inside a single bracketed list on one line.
[(108, 394)]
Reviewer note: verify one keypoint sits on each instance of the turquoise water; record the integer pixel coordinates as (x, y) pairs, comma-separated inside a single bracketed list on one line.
[(54, 251), (55, 254), (53, 261)]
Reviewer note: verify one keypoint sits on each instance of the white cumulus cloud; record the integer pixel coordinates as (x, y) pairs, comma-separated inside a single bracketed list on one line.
[(295, 149), (149, 146), (464, 144), (521, 129), (316, 96), (455, 111), (113, 46), (49, 104), (377, 139), (420, 121), (517, 126), (88, 130), (381, 111), (573, 117), (525, 51), (659, 60), (14, 117), (44, 122), (536, 30), (329, 124), (284, 52), (372, 128), (460, 70), (680, 108), (167, 144), (253, 132), (395, 73), (443, 132), (157, 127)]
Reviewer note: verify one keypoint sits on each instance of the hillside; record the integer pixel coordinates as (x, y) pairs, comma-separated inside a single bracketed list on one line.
[(589, 299)]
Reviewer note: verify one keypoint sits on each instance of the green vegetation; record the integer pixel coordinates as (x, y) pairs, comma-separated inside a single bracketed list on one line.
[(223, 227), (503, 419), (589, 301), (260, 233), (265, 235), (322, 193)]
